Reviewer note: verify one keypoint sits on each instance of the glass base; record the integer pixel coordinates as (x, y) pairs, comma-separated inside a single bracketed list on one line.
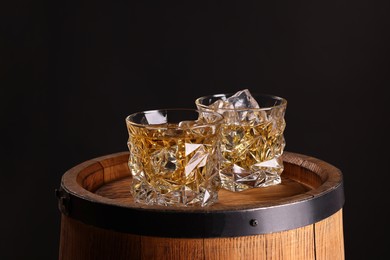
[(148, 195), (239, 181)]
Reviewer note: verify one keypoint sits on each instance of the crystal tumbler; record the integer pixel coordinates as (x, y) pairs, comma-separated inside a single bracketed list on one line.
[(252, 140), (174, 156)]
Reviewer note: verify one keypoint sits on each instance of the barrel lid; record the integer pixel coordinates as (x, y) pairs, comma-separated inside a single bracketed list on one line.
[(315, 193)]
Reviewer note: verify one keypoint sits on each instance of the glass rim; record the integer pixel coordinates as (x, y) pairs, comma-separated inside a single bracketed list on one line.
[(219, 118), (218, 96)]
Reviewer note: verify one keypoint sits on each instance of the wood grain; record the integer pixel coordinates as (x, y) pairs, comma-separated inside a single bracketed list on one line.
[(107, 180), (320, 241)]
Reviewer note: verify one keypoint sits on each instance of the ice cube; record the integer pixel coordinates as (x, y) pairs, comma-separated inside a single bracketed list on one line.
[(242, 99), (155, 118), (234, 108)]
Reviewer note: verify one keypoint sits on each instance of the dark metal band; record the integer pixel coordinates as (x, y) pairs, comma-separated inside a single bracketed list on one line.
[(207, 224)]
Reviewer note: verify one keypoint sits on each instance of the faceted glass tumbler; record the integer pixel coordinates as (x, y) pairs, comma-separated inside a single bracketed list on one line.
[(174, 156), (252, 139)]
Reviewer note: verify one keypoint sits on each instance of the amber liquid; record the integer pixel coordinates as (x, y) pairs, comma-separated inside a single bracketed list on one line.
[(252, 154), (173, 166)]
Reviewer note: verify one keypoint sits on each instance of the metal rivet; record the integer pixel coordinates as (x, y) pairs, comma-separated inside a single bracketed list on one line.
[(253, 222)]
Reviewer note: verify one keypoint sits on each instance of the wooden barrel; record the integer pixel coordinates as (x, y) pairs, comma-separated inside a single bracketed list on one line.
[(301, 218)]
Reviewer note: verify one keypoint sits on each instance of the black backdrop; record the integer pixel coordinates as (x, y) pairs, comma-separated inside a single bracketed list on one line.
[(71, 71)]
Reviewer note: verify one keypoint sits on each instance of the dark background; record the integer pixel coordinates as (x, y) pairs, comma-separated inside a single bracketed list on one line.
[(71, 71)]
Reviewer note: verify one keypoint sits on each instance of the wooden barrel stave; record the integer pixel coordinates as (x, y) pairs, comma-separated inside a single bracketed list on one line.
[(105, 180)]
